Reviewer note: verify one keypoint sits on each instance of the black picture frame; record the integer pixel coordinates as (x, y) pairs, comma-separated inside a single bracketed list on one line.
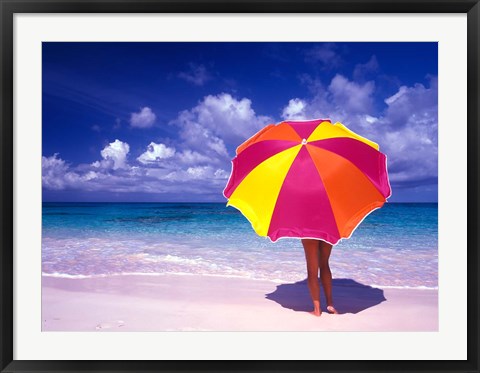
[(9, 8)]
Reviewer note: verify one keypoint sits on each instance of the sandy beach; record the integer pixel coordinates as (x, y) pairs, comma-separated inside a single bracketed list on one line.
[(214, 303)]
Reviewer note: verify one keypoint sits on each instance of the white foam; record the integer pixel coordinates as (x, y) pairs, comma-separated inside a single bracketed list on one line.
[(67, 275), (70, 276), (245, 277)]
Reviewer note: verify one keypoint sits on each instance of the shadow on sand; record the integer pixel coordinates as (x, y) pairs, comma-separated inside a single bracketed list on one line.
[(349, 296)]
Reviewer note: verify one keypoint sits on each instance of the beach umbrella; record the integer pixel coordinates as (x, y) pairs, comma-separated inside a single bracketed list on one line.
[(307, 179)]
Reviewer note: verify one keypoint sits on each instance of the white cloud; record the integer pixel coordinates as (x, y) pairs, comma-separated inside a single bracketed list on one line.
[(156, 152), (190, 157), (206, 173), (409, 134), (114, 155), (198, 172), (342, 100), (390, 100), (218, 122), (197, 75), (295, 110), (53, 169), (143, 119), (205, 181), (351, 96), (57, 175), (202, 140), (90, 175), (221, 174)]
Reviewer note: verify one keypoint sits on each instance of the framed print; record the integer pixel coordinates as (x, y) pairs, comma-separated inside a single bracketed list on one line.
[(239, 186)]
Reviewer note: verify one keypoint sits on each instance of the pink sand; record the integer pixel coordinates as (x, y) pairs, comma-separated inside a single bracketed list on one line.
[(207, 303)]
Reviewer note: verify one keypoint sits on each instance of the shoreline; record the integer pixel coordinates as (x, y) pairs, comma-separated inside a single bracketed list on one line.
[(167, 302), (155, 274)]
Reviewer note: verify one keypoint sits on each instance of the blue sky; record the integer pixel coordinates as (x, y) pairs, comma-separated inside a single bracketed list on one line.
[(161, 121)]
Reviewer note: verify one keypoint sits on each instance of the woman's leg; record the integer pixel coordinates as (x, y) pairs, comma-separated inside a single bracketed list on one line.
[(326, 274), (312, 257)]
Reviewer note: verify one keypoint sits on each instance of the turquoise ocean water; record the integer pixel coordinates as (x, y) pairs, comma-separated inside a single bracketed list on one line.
[(395, 246)]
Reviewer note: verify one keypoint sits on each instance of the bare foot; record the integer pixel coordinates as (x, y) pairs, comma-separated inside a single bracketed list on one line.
[(316, 312), (332, 310)]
